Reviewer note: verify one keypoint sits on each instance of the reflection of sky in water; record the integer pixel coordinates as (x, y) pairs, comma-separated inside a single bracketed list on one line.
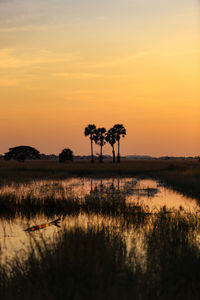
[(14, 240), (147, 193)]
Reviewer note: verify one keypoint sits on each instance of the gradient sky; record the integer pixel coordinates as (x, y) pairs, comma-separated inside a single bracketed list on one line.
[(68, 63)]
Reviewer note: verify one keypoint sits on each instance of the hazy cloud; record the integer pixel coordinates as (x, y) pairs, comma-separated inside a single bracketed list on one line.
[(88, 75), (121, 60), (13, 58), (27, 28), (78, 75)]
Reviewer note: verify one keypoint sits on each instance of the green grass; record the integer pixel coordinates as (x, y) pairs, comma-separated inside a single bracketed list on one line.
[(95, 264)]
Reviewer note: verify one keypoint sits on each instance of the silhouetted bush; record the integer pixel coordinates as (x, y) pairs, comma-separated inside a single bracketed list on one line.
[(66, 155)]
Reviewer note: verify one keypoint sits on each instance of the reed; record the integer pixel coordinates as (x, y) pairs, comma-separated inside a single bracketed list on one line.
[(98, 202), (95, 264)]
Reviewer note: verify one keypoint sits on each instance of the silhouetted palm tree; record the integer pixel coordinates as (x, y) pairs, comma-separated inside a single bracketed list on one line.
[(119, 131), (90, 131), (111, 139), (100, 139)]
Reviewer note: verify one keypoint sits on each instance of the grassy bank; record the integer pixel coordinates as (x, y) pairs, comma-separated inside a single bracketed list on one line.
[(20, 172), (181, 175), (95, 264), (12, 170)]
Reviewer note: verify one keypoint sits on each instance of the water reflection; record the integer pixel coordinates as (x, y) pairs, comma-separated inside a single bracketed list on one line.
[(134, 205), (15, 239), (146, 193)]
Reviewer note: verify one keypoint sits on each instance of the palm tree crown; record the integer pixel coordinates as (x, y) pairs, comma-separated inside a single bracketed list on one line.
[(100, 139), (111, 139), (111, 136), (119, 131), (100, 136), (90, 131)]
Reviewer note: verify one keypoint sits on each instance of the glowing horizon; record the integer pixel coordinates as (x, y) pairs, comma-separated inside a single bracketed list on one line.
[(67, 64)]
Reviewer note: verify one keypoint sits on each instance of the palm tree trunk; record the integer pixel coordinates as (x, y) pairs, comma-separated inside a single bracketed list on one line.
[(118, 155), (113, 151), (92, 156), (100, 158)]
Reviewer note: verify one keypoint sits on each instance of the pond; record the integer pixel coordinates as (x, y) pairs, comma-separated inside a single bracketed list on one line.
[(146, 196)]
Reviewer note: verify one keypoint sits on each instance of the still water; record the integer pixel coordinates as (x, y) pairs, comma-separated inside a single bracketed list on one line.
[(148, 194)]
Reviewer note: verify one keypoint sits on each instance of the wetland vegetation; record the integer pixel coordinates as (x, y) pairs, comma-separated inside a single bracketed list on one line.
[(125, 233), (183, 175), (97, 263)]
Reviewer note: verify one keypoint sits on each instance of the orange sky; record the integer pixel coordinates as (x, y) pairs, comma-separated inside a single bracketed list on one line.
[(64, 65)]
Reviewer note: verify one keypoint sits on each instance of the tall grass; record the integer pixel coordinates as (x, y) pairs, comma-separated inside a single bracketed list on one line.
[(78, 265), (97, 202), (173, 258), (95, 264)]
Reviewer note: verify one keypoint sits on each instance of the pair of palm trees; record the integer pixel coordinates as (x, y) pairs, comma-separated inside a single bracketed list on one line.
[(100, 136)]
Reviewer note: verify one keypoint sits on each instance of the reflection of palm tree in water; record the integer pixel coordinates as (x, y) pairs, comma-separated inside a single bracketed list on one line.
[(116, 187), (112, 186), (115, 190), (106, 192), (101, 185), (91, 185), (118, 184)]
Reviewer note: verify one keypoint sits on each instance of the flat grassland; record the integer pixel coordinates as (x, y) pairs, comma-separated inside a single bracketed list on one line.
[(182, 175)]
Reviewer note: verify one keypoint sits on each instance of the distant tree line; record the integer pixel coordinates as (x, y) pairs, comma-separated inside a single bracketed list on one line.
[(21, 153), (100, 137)]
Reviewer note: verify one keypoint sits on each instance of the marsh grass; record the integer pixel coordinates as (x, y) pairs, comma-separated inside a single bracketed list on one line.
[(97, 202), (52, 198), (76, 265), (186, 181), (173, 257), (95, 264), (183, 175)]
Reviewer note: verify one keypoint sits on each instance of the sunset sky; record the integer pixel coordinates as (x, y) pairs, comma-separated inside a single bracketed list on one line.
[(68, 63)]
